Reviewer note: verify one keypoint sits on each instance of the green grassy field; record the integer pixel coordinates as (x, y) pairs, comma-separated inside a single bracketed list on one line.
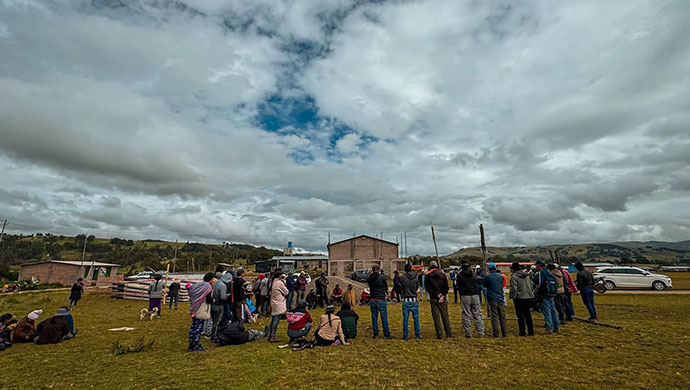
[(649, 353)]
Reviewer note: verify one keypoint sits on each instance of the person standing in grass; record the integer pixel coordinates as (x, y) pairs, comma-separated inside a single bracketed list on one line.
[(437, 286), (409, 284), (496, 301), (300, 287), (173, 293), (278, 303), (219, 291), (378, 289), (466, 281), (239, 296), (265, 295), (522, 295), (155, 291), (200, 300), (547, 288), (322, 289), (570, 289), (290, 284), (75, 292), (559, 300), (585, 283)]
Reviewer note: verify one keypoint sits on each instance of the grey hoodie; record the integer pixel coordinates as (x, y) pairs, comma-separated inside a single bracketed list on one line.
[(220, 289), (521, 285), (155, 289), (410, 284)]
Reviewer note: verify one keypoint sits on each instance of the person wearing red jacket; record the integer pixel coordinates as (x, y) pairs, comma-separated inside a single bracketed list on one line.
[(570, 289)]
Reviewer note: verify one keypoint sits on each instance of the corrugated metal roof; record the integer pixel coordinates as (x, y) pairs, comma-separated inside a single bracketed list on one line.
[(300, 258), (77, 263)]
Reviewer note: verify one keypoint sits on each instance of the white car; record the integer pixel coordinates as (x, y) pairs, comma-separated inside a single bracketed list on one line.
[(632, 277)]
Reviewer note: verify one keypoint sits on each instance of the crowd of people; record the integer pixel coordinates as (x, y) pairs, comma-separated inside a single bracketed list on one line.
[(542, 288), (53, 330), (224, 302)]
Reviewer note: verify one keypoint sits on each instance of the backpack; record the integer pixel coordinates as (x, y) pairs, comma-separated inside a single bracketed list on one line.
[(551, 285), (293, 317)]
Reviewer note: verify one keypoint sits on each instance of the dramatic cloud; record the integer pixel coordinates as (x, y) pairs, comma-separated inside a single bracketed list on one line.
[(264, 121)]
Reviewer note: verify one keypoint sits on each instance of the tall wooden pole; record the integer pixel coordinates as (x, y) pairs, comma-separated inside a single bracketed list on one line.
[(2, 234), (165, 285), (433, 237), (83, 255), (483, 247), (175, 257)]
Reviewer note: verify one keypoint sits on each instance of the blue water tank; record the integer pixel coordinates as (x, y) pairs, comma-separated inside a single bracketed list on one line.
[(289, 244)]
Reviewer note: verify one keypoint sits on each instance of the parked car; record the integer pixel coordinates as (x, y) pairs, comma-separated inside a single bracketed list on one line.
[(632, 277), (141, 276), (359, 275)]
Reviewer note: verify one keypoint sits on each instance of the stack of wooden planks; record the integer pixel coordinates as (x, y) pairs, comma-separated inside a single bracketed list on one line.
[(139, 290)]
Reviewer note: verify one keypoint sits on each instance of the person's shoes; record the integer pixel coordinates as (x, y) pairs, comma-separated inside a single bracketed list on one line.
[(594, 321), (273, 340), (418, 337), (449, 336), (505, 335), (389, 337), (468, 336), (75, 332), (404, 338), (557, 330), (376, 336), (198, 348), (439, 337)]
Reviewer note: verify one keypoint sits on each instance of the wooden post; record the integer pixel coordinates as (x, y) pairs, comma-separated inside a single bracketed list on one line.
[(558, 258), (2, 234), (483, 248), (551, 255), (433, 237), (165, 285), (175, 258), (83, 255)]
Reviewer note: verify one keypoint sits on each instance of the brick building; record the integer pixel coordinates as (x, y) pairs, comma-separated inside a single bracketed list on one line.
[(362, 252), (67, 272)]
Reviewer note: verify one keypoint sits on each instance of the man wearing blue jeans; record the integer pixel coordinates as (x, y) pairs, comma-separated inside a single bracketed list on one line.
[(585, 283), (378, 287), (548, 305), (410, 284)]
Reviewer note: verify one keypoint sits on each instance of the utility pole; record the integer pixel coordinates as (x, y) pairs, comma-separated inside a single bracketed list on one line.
[(433, 237), (483, 247), (83, 255), (175, 257), (2, 234), (406, 244)]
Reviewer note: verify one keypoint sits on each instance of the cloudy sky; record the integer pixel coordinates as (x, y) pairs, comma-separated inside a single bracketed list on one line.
[(264, 121)]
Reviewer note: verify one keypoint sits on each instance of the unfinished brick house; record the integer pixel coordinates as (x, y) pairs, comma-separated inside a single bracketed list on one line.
[(362, 252), (67, 272)]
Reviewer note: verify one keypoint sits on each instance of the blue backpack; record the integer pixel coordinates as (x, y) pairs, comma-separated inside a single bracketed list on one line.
[(551, 285)]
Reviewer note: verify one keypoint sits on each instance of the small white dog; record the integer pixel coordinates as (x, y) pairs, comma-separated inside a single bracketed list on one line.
[(151, 314)]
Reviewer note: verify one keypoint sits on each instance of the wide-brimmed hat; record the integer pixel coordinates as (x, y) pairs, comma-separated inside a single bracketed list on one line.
[(330, 309), (62, 312)]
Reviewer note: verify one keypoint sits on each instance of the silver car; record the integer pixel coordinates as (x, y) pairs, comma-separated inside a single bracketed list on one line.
[(632, 277)]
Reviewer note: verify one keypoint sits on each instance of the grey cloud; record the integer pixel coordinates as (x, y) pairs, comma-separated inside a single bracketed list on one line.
[(529, 214)]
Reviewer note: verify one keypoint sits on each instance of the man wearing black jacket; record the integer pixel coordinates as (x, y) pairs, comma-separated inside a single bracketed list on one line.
[(238, 296), (437, 287), (378, 288), (466, 281)]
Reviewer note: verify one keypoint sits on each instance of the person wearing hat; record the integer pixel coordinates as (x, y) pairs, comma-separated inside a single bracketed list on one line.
[(301, 287), (547, 289), (378, 289), (322, 289), (330, 330), (496, 300), (299, 321), (56, 329), (469, 297), (349, 320), (522, 295), (279, 293), (155, 291), (26, 328), (290, 284), (437, 287)]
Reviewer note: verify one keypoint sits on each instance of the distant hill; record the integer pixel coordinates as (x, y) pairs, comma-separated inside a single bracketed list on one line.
[(133, 255), (632, 252)]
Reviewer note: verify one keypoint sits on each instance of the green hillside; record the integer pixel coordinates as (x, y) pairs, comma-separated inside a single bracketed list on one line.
[(133, 255), (634, 252)]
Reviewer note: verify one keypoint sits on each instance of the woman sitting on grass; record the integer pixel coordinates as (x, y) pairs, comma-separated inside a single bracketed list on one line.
[(330, 332), (26, 328)]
